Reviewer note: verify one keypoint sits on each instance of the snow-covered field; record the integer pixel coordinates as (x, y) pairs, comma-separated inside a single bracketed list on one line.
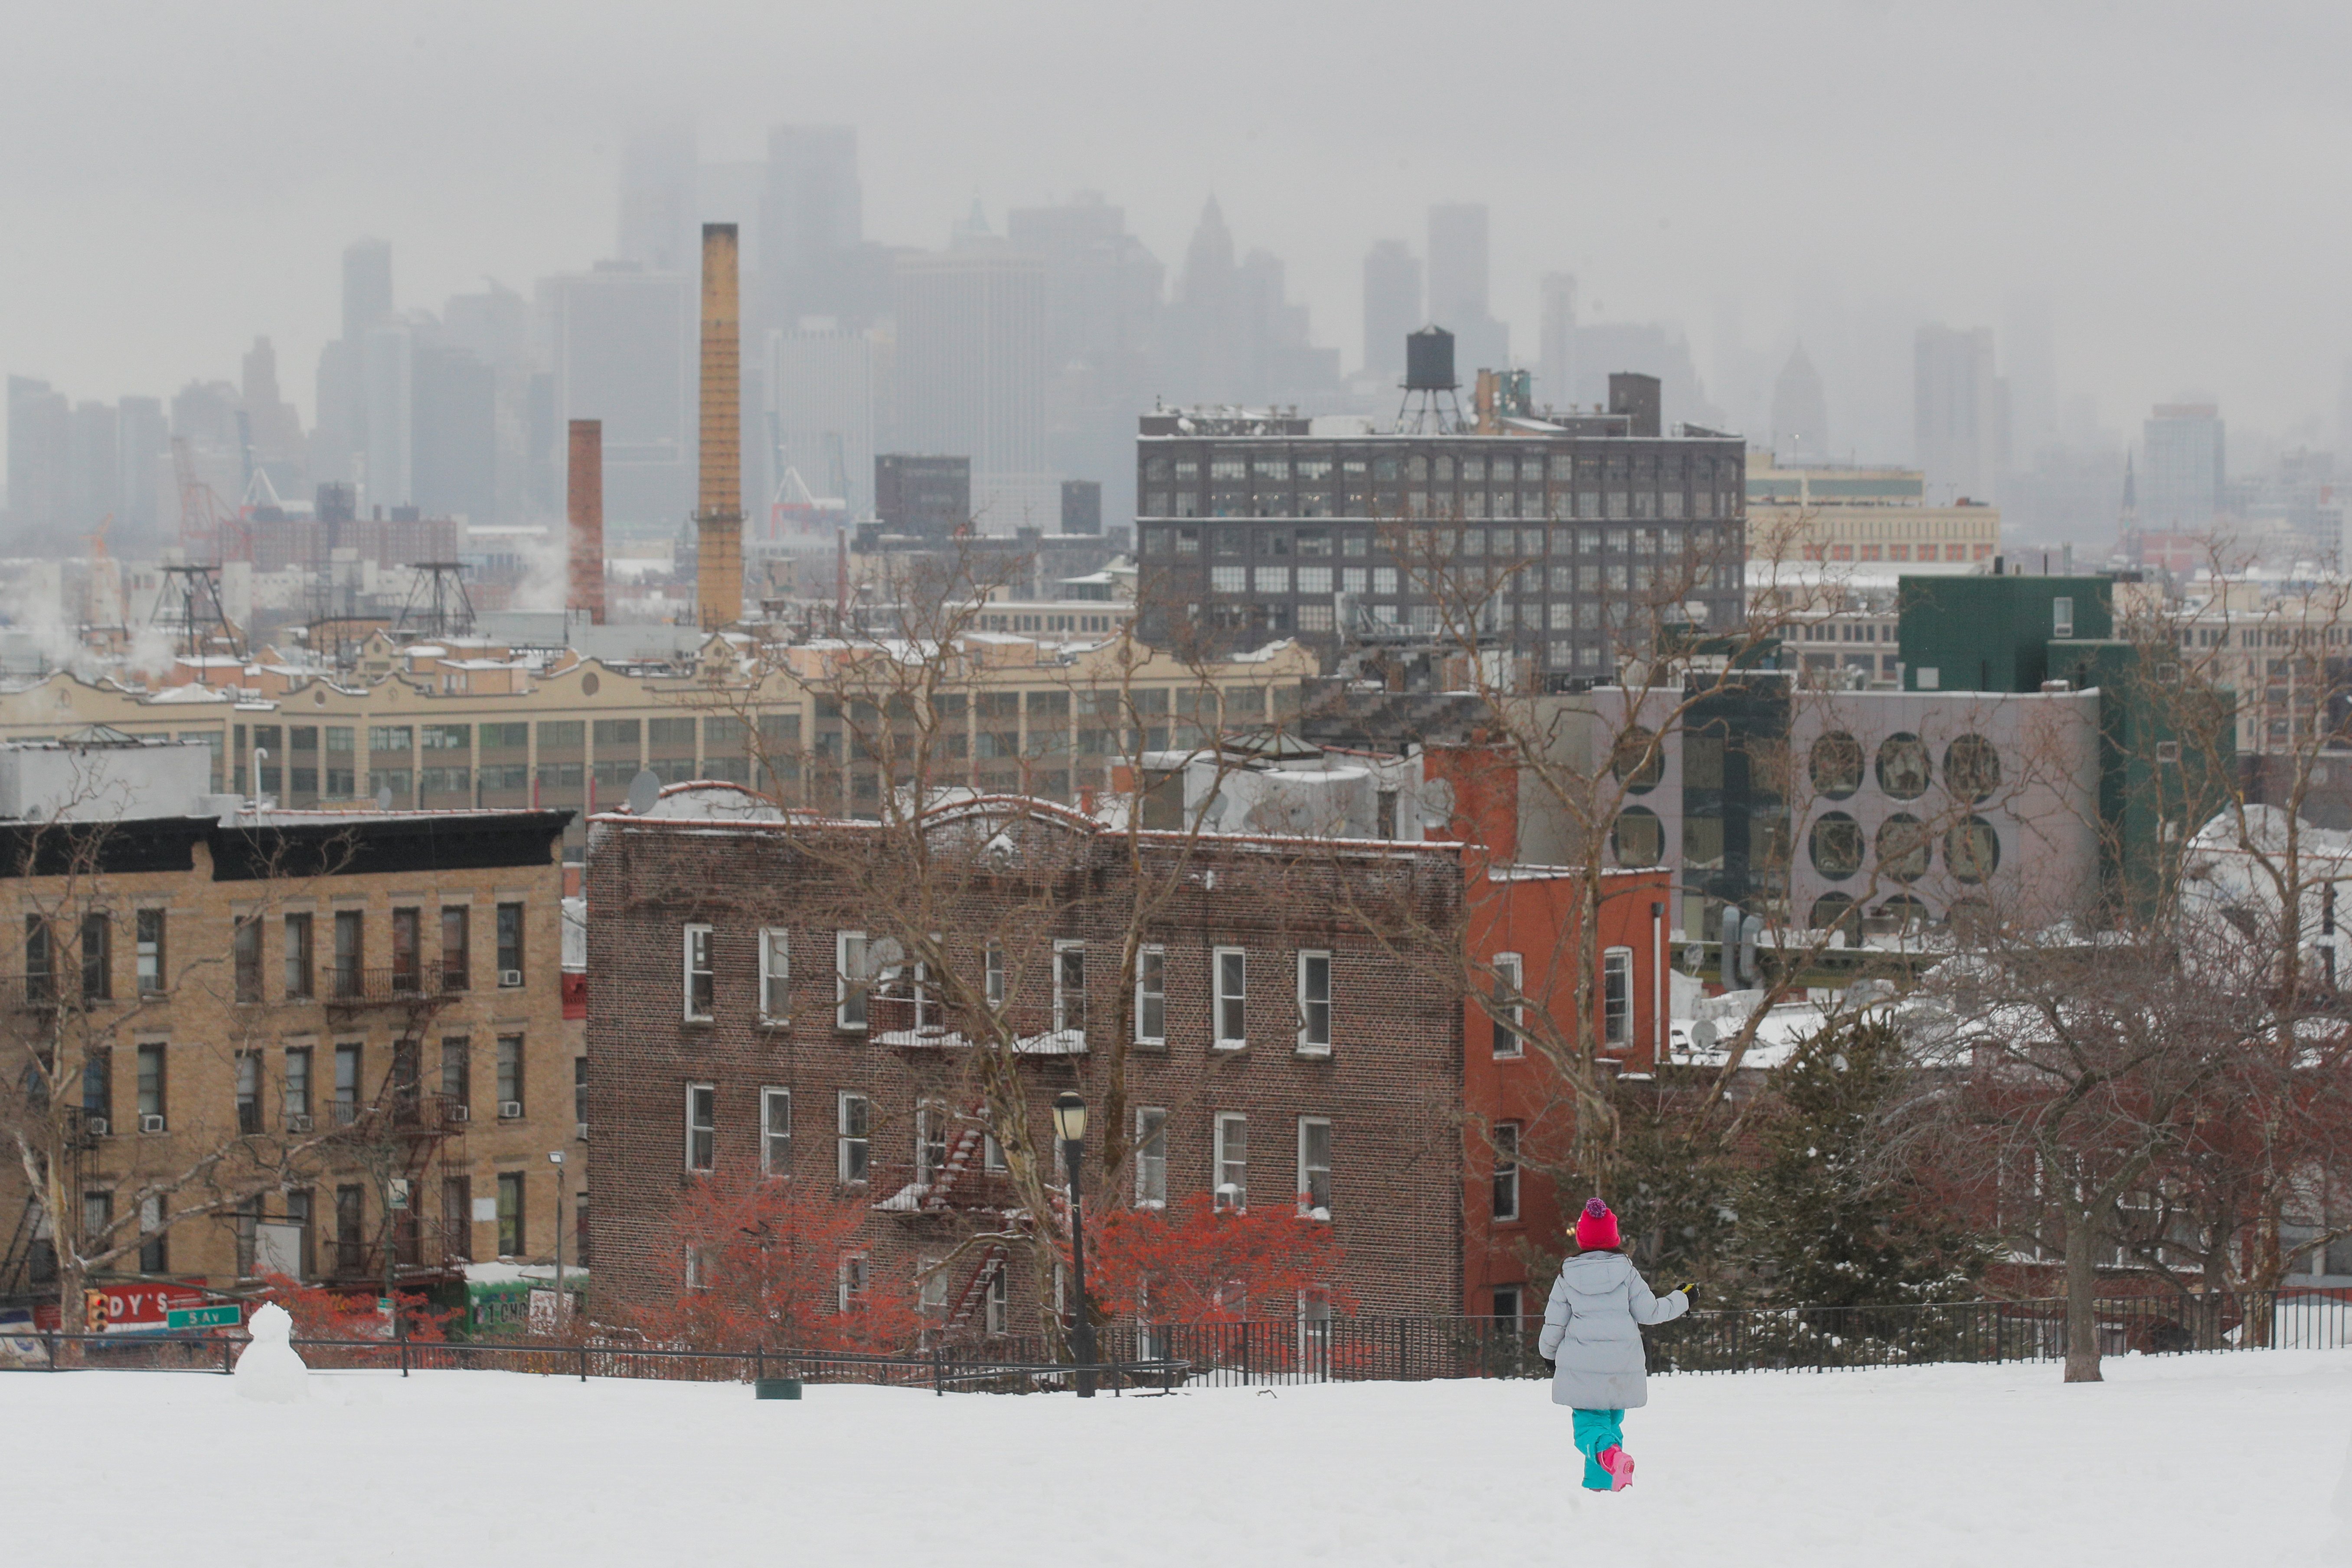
[(2235, 1458)]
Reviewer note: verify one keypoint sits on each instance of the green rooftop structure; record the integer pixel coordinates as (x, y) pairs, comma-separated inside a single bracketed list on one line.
[(1993, 633)]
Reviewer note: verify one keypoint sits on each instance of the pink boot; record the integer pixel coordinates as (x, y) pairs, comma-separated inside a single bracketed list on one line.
[(1619, 1466)]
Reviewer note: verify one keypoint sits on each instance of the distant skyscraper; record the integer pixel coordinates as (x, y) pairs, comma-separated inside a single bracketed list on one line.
[(2030, 370), (658, 208), (971, 375), (143, 443), (812, 224), (1104, 325), (452, 432), (1556, 340), (387, 405), (1392, 306), (620, 348), (1458, 276), (367, 286), (1233, 334), (94, 472), (1801, 415), (1957, 410), (2184, 467), (40, 454)]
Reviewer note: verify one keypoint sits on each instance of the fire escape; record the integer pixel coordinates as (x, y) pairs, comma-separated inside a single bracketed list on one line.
[(396, 1136)]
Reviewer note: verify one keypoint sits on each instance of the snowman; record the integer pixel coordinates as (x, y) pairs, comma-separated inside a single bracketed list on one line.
[(268, 1370)]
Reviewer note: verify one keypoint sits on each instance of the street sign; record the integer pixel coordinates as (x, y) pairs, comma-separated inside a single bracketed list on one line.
[(224, 1315)]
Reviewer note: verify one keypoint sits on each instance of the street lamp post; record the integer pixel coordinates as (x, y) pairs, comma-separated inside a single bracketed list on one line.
[(1070, 1123)]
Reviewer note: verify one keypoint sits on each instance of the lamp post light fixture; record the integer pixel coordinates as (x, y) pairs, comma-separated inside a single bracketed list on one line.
[(555, 1158), (1070, 1126)]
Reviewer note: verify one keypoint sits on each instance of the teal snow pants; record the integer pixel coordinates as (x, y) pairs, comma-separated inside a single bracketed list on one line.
[(1597, 1432)]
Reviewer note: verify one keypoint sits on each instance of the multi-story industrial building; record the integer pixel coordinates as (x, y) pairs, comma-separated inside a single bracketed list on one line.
[(1253, 525), (461, 725), (1863, 517)]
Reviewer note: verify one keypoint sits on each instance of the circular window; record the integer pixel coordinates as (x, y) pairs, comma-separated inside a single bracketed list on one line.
[(1836, 846), (1971, 850), (1837, 764), (319, 698), (1971, 768), (1904, 913), (1835, 911), (1903, 766), (588, 684), (1905, 846), (1640, 761), (1639, 838)]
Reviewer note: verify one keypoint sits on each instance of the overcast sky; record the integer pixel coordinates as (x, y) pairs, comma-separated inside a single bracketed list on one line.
[(2172, 178)]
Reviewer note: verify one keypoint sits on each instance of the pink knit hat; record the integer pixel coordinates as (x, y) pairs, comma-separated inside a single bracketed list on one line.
[(1596, 1227)]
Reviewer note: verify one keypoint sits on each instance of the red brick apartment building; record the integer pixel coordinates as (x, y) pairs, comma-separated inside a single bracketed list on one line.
[(1300, 1037)]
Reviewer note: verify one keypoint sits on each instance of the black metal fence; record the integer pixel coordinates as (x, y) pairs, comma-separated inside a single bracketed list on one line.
[(1335, 1349)]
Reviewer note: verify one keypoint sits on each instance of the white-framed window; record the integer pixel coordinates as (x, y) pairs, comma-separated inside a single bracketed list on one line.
[(997, 1298), (849, 980), (1617, 997), (992, 973), (1151, 1157), (1507, 1014), (701, 982), (1508, 1308), (1069, 986), (701, 1126), (856, 1272), (775, 975), (853, 1119), (932, 1270), (700, 1264), (1315, 1002), (927, 998), (992, 1153), (1231, 1161), (1151, 996), (931, 1120), (1231, 1002), (1506, 1170), (1315, 1166), (775, 1132)]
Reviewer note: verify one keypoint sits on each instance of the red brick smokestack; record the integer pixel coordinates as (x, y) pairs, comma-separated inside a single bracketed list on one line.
[(584, 494)]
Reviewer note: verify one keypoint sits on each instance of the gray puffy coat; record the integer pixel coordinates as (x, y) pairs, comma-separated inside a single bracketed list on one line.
[(1592, 1329)]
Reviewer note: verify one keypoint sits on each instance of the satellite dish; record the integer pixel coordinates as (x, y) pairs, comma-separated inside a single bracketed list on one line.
[(1704, 1034), (883, 957), (645, 793), (1693, 956), (383, 798), (1213, 814)]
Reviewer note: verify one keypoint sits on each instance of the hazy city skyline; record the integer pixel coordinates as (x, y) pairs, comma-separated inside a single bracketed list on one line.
[(1687, 165)]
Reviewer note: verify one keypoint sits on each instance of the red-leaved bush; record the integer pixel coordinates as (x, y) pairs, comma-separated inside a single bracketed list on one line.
[(1192, 1262), (760, 1261)]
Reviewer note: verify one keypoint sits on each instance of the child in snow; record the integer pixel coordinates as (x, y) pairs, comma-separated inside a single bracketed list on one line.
[(1593, 1334)]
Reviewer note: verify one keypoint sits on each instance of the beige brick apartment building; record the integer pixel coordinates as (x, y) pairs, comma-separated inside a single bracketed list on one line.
[(351, 1023)]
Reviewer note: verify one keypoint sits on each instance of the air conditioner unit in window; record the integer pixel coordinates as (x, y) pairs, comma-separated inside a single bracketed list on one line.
[(459, 1112), (151, 1123), (96, 1126), (509, 978), (510, 1110), (298, 1124)]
